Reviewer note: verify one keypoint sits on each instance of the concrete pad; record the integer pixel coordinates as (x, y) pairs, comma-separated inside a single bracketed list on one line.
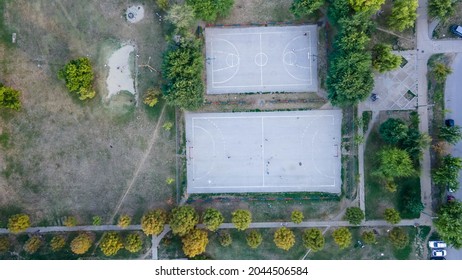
[(296, 151), (261, 59)]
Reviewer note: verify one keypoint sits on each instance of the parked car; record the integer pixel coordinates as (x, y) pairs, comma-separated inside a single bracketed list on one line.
[(439, 253), (457, 30), (437, 244), (449, 122)]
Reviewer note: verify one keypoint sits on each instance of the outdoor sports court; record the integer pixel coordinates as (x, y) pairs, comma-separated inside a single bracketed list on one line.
[(261, 59), (297, 151)]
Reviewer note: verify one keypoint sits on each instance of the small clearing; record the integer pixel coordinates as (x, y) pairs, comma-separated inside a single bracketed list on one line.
[(135, 13), (120, 77)]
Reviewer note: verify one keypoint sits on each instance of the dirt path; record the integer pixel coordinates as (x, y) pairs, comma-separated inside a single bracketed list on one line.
[(140, 165), (394, 34)]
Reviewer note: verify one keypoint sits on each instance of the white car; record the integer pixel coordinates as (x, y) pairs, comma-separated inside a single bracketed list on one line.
[(437, 244), (439, 253)]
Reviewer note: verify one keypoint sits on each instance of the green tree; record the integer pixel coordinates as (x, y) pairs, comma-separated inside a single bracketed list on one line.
[(182, 17), (394, 162), (254, 239), (225, 239), (449, 223), (447, 174), (284, 238), (403, 14), (342, 237), (4, 244), (10, 98), (339, 9), (81, 243), (415, 142), (209, 10), (366, 5), (393, 131), (133, 242), (70, 221), (212, 219), (183, 219), (442, 9), (111, 243), (241, 219), (383, 59), (182, 70), (354, 33), (57, 243), (78, 75), (302, 8), (350, 79), (124, 221), (354, 215), (398, 237), (96, 220), (18, 223), (33, 244), (313, 239), (162, 4), (390, 185), (451, 134), (151, 97), (195, 242), (440, 72), (410, 203), (368, 237), (296, 216), (392, 216), (153, 222)]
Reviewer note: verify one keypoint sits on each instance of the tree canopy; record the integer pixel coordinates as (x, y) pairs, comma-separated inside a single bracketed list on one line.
[(241, 219), (451, 134), (133, 242), (392, 216), (4, 244), (393, 131), (394, 162), (57, 243), (254, 239), (183, 219), (398, 237), (182, 69), (225, 239), (403, 14), (153, 222), (284, 238), (209, 10), (449, 223), (342, 237), (212, 219), (111, 243), (182, 17), (313, 239), (33, 244), (18, 223), (81, 243), (354, 215), (78, 75), (302, 8), (447, 174), (383, 59), (366, 5), (368, 237), (124, 221), (9, 98), (442, 9), (296, 216), (195, 242), (440, 72)]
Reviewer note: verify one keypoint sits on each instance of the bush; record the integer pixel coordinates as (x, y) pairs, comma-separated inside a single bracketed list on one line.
[(313, 239), (394, 162), (403, 14), (296, 216), (354, 215), (284, 238), (133, 242), (162, 4), (225, 239), (151, 97), (57, 243), (392, 216), (78, 75), (183, 219), (18, 223), (96, 220), (81, 244), (153, 222), (391, 186), (33, 244), (111, 243), (452, 134), (254, 239), (195, 242), (366, 5), (302, 8), (209, 10), (443, 9), (449, 223), (393, 131), (212, 219), (369, 237), (70, 221), (398, 237), (167, 126), (124, 221), (447, 174), (9, 98), (383, 59), (4, 244), (342, 237), (241, 219)]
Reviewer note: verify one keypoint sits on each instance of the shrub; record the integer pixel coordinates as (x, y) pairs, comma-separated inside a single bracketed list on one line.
[(162, 4), (449, 223), (153, 222), (96, 220), (124, 221), (10, 98), (313, 239), (169, 181), (111, 243), (354, 215), (133, 242), (398, 237), (225, 239), (452, 134), (167, 126), (442, 8), (447, 174), (195, 242), (81, 243), (18, 223), (78, 75), (393, 131), (383, 59), (57, 243), (183, 219), (366, 5), (212, 219), (284, 238), (394, 162), (403, 14), (296, 216), (241, 219), (209, 10), (391, 186), (301, 8), (33, 244), (254, 239), (342, 237), (4, 244), (368, 237), (392, 216), (151, 97), (70, 221)]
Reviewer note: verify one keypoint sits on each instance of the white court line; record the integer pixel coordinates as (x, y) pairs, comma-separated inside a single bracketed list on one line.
[(261, 66), (214, 152), (263, 150), (267, 186), (211, 62), (284, 85), (265, 117), (308, 33)]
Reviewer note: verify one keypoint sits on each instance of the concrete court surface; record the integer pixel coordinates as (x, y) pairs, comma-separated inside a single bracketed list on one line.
[(297, 151), (261, 59)]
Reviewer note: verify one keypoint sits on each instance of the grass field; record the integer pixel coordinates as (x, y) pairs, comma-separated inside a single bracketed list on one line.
[(60, 156)]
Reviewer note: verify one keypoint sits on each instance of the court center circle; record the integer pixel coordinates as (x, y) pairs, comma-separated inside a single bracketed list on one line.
[(261, 59)]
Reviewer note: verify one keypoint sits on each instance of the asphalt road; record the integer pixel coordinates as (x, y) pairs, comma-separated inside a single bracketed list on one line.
[(453, 102)]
